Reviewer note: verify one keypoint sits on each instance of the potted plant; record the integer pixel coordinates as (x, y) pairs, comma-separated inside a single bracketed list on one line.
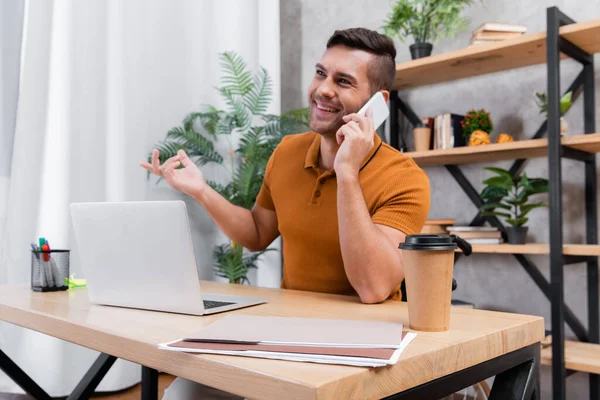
[(247, 96), (477, 126), (566, 101), (508, 197), (426, 21)]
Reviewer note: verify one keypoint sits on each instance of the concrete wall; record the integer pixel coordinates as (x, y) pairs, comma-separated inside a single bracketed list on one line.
[(490, 281)]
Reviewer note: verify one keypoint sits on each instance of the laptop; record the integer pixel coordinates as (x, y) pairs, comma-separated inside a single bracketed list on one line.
[(140, 255)]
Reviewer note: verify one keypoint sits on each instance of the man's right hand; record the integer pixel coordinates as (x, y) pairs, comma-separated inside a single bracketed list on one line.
[(189, 179)]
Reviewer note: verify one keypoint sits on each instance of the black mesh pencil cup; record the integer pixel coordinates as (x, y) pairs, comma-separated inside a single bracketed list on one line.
[(49, 270)]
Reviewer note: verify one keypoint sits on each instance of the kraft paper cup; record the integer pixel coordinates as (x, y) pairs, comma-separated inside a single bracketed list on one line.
[(429, 288), (428, 267), (422, 138)]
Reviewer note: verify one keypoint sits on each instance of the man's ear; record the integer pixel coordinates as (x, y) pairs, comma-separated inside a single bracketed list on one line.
[(386, 95)]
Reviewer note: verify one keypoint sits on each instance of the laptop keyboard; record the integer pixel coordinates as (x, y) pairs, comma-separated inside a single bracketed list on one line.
[(213, 304)]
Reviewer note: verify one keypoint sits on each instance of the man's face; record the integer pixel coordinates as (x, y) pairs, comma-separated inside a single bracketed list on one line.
[(339, 87)]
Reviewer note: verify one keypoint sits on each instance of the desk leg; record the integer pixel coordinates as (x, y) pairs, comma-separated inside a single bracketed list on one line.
[(519, 383), (88, 384), (517, 378), (149, 384), (21, 378)]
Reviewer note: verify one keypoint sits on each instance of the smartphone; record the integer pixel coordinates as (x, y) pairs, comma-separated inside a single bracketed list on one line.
[(379, 108)]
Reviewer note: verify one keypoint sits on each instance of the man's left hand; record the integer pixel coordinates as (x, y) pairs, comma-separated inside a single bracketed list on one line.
[(356, 139)]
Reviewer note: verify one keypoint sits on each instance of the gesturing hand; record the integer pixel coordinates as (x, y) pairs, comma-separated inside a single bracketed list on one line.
[(356, 138), (189, 179)]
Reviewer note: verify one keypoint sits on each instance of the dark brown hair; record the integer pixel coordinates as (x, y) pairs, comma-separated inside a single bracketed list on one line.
[(382, 69)]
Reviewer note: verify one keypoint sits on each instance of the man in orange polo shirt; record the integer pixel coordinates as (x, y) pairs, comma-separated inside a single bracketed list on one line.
[(341, 199)]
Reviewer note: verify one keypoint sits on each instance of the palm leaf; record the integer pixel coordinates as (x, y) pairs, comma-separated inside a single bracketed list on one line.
[(258, 98), (208, 119), (236, 79), (198, 148), (247, 182)]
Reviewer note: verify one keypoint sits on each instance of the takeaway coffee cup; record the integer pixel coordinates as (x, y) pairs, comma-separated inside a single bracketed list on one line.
[(428, 265)]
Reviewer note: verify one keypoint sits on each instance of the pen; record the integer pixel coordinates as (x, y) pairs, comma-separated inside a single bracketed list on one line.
[(35, 248)]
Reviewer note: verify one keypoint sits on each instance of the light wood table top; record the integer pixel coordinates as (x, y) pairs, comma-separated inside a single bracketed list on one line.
[(475, 336)]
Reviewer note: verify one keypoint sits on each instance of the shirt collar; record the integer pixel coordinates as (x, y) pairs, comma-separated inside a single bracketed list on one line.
[(312, 155)]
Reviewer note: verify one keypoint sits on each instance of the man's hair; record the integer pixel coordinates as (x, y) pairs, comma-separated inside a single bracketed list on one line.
[(382, 69)]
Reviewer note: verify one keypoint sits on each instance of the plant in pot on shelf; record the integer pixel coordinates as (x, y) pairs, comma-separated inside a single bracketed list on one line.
[(427, 21), (508, 197), (247, 97), (566, 101), (477, 126)]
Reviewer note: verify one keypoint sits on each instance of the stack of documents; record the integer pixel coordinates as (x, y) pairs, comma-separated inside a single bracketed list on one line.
[(328, 341)]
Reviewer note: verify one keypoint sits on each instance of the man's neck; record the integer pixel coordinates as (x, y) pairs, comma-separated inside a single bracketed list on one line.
[(327, 152)]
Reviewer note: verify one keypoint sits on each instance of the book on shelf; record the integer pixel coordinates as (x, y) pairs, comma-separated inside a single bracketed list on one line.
[(492, 32), (477, 234), (500, 27), (468, 228), (447, 132), (494, 35), (485, 241)]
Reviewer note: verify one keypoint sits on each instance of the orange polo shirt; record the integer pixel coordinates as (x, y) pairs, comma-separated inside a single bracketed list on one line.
[(396, 193)]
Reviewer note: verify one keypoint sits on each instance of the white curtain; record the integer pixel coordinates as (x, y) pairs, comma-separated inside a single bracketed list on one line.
[(100, 83)]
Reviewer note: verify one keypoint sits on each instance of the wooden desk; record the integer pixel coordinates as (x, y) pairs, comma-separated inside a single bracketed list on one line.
[(477, 337)]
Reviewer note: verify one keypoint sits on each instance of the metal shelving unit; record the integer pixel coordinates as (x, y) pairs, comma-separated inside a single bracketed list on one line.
[(563, 38)]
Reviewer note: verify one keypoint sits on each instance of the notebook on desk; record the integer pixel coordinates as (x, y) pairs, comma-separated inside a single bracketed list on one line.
[(301, 331), (345, 342)]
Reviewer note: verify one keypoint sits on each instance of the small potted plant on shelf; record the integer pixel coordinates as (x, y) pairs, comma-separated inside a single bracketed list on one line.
[(508, 197), (477, 126), (426, 21), (566, 101)]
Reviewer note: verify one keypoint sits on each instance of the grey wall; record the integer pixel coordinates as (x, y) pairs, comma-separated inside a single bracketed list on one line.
[(491, 282)]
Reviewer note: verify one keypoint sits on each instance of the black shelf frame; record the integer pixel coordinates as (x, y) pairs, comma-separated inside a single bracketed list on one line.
[(553, 289)]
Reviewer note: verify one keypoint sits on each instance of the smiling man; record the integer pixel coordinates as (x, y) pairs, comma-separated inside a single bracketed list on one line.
[(341, 198)]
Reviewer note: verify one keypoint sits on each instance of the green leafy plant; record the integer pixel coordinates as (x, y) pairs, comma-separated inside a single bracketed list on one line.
[(476, 120), (566, 101), (247, 96), (427, 21), (508, 196)]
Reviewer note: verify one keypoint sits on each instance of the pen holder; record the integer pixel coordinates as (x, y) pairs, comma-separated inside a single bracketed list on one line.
[(49, 269)]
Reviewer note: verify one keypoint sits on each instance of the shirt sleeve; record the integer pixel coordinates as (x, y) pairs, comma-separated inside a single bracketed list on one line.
[(264, 198), (405, 202)]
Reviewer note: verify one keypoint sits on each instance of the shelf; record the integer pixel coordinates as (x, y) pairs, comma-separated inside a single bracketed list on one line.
[(538, 248), (486, 58), (532, 148), (579, 356)]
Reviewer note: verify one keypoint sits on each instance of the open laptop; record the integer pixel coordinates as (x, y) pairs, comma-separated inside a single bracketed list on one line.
[(140, 255)]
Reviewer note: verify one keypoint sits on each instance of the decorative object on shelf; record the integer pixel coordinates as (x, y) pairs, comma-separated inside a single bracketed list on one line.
[(422, 136), (426, 21), (247, 97), (479, 138), (504, 138), (566, 101), (491, 32), (508, 197), (477, 120)]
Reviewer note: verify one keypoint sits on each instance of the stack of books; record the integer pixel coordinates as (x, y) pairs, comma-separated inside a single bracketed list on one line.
[(477, 234), (326, 341), (446, 131), (495, 32)]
